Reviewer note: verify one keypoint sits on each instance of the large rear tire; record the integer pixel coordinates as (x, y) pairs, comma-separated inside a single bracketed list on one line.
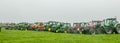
[(118, 29), (99, 31), (91, 31)]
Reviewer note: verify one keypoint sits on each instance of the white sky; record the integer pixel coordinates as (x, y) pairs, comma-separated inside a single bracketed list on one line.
[(58, 10)]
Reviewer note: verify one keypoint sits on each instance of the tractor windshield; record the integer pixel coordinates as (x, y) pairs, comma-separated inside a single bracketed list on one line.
[(66, 24), (82, 24), (58, 23), (75, 24), (110, 21), (96, 23), (51, 23)]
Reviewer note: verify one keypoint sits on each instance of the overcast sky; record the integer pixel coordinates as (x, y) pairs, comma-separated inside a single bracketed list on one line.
[(58, 10)]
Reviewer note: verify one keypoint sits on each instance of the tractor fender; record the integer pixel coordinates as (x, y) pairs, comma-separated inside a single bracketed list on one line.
[(116, 24)]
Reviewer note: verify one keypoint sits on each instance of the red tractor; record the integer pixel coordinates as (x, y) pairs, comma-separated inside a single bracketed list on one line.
[(78, 27), (41, 26), (31, 26), (94, 27), (36, 26)]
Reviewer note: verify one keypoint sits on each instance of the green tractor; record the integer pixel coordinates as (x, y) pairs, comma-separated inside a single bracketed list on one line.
[(16, 27), (22, 26), (64, 28), (49, 25), (111, 25), (57, 26)]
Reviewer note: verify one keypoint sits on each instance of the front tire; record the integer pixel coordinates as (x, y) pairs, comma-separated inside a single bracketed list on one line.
[(108, 30)]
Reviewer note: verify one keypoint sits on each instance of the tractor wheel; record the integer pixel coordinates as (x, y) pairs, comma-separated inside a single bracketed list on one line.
[(92, 31), (118, 29), (80, 31), (108, 30), (69, 31), (49, 29), (75, 31), (99, 31), (56, 31), (65, 31)]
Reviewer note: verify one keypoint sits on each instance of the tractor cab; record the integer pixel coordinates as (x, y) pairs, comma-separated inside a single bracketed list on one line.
[(75, 24), (51, 22), (97, 23), (110, 21), (83, 24), (67, 24)]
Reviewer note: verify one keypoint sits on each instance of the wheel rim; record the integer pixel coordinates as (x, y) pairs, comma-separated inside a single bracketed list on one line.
[(65, 31), (92, 31), (108, 30), (56, 31), (80, 32), (118, 29), (49, 29)]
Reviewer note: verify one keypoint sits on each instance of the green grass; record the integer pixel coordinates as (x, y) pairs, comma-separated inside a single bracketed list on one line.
[(17, 36)]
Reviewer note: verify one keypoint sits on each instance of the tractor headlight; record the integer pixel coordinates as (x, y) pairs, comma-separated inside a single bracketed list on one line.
[(78, 29)]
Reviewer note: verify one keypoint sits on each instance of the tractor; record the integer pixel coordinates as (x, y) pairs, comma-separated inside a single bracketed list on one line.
[(49, 25), (22, 26), (63, 27), (34, 26), (94, 27), (9, 26), (38, 26), (31, 26), (78, 27), (98, 26), (111, 25), (56, 26)]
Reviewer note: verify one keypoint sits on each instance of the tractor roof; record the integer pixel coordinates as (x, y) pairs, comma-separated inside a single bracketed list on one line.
[(77, 23), (80, 22), (52, 21), (111, 19), (38, 22), (66, 23), (23, 23), (97, 21)]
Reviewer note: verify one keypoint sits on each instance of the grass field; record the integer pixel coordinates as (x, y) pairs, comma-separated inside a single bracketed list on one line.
[(17, 36)]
